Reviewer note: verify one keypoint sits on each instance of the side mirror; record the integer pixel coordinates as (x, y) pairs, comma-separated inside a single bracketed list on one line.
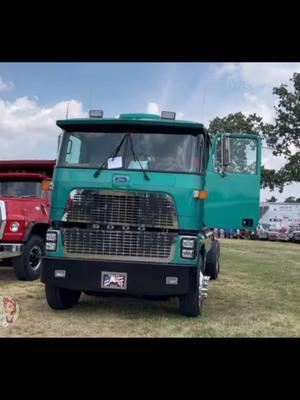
[(226, 157), (222, 154)]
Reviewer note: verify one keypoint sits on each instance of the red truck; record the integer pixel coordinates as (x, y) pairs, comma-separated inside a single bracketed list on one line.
[(24, 214)]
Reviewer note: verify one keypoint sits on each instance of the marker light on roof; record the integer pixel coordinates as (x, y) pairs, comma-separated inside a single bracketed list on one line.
[(168, 115), (96, 114)]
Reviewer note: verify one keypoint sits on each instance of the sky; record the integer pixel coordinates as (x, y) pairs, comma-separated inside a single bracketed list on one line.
[(34, 95)]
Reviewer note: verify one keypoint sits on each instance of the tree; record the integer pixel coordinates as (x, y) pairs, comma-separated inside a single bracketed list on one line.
[(290, 199), (283, 137), (237, 123), (271, 200)]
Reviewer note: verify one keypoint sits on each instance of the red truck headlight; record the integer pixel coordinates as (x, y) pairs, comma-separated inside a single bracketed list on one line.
[(14, 226)]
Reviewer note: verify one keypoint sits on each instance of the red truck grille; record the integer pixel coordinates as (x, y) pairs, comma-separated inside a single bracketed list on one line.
[(2, 218)]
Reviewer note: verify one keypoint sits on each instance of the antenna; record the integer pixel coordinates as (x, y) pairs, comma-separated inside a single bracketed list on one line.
[(203, 102), (67, 112)]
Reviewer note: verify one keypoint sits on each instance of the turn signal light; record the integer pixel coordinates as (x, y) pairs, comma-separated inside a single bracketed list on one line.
[(203, 194), (46, 185), (200, 194)]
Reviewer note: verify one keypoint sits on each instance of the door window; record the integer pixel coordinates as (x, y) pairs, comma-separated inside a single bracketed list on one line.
[(243, 156)]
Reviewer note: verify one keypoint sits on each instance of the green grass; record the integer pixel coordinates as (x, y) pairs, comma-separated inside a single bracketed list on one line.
[(257, 294)]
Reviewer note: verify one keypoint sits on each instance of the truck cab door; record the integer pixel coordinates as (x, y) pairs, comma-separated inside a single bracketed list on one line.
[(233, 182)]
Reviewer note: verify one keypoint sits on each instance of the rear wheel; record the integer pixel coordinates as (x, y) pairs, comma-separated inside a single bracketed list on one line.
[(28, 266), (60, 298), (212, 267)]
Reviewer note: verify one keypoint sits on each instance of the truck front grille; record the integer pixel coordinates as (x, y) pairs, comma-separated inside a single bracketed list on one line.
[(2, 218), (155, 210), (122, 245)]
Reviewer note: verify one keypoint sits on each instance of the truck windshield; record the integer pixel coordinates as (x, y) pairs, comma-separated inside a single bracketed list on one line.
[(153, 151), (20, 189)]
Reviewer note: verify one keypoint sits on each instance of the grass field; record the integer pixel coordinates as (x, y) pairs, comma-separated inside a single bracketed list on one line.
[(257, 294)]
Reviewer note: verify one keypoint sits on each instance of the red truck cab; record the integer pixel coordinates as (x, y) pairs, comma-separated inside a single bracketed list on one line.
[(24, 214)]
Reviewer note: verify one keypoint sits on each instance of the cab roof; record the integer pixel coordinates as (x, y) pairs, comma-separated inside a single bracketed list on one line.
[(128, 119)]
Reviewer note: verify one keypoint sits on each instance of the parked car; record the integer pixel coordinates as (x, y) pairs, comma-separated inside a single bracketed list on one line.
[(273, 234), (296, 237), (294, 233), (262, 231), (284, 234)]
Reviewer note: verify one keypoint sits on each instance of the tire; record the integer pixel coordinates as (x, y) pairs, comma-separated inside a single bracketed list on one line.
[(190, 304), (212, 268), (60, 298), (28, 266)]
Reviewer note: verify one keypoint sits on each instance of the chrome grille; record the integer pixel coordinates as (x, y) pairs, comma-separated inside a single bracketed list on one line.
[(2, 218), (155, 210), (123, 245)]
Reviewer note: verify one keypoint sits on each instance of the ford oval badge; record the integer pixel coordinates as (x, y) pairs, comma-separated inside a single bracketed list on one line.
[(121, 179)]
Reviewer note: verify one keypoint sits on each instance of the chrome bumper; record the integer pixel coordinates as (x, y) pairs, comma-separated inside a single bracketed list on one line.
[(9, 250)]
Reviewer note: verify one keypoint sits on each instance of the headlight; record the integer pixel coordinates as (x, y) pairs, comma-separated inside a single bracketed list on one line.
[(14, 226), (51, 237), (51, 240), (187, 253), (51, 246), (188, 243), (188, 248)]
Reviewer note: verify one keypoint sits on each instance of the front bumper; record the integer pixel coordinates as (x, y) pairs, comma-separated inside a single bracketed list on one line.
[(10, 250), (142, 278)]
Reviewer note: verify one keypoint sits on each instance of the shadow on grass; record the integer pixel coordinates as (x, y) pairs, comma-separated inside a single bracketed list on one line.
[(7, 274), (135, 308)]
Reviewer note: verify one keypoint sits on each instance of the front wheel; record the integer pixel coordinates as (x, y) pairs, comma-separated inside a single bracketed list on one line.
[(190, 304), (28, 266), (60, 298)]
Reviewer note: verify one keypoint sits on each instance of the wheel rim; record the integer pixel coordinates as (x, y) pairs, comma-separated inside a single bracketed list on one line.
[(200, 287), (35, 258)]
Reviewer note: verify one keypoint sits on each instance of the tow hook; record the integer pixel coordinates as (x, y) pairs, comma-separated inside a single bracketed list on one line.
[(203, 285)]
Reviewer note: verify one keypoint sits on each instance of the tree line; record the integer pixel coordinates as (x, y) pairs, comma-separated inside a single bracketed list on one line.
[(282, 136)]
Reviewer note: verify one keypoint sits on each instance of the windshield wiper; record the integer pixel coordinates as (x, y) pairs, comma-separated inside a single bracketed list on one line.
[(112, 155), (137, 160)]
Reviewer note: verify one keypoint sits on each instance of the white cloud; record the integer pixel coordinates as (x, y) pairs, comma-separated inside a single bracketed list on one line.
[(289, 190), (153, 108), (270, 161), (258, 105), (258, 74), (230, 70), (28, 130), (5, 85)]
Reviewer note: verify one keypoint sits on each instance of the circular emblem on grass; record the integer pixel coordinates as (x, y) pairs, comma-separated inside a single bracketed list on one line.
[(9, 311)]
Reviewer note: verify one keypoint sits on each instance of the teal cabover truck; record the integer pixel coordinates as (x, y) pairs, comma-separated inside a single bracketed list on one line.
[(134, 199)]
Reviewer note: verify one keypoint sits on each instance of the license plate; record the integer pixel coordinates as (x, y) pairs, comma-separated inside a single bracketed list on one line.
[(114, 280)]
